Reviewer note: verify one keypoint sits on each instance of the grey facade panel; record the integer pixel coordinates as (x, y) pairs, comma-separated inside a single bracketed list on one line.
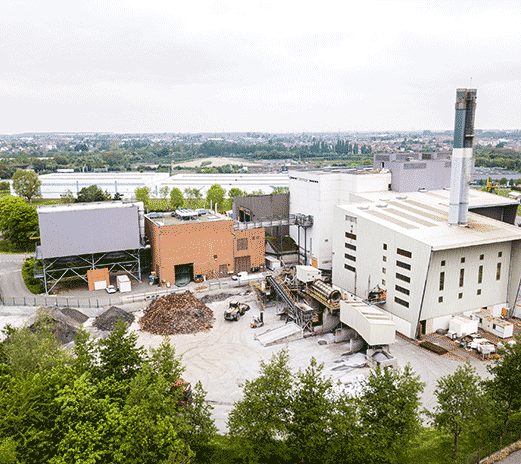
[(68, 233), (265, 207)]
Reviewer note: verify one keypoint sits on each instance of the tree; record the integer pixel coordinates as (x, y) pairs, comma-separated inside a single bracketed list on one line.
[(193, 196), (256, 192), (310, 430), (389, 413), (176, 198), (68, 197), (505, 386), (215, 196), (503, 181), (460, 400), (263, 415), (280, 190), (143, 194), (235, 192), (163, 192), (92, 193), (5, 188), (26, 184), (18, 220)]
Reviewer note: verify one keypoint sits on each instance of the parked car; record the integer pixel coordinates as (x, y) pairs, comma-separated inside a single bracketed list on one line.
[(110, 289), (240, 275)]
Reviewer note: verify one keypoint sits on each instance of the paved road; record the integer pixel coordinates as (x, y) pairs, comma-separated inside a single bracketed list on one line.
[(11, 281)]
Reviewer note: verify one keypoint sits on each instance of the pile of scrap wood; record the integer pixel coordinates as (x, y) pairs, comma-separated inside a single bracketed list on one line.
[(175, 314)]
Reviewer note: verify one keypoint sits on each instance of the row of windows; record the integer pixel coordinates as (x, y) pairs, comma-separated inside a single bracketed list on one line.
[(400, 251), (462, 276), (481, 257), (460, 295)]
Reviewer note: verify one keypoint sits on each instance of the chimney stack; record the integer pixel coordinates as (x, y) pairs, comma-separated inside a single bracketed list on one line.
[(462, 156)]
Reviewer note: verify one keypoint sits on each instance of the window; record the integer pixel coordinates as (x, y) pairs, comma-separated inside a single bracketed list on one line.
[(480, 274), (351, 257), (498, 271), (440, 299), (442, 281), (479, 291), (385, 258), (460, 296), (403, 277), (443, 262), (403, 265), (349, 268), (242, 244), (351, 247), (461, 277), (405, 253), (481, 257), (384, 271), (500, 254), (401, 290), (383, 281), (462, 259), (385, 246), (351, 236), (400, 301)]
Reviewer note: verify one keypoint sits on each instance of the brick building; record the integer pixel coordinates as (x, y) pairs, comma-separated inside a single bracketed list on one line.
[(190, 244)]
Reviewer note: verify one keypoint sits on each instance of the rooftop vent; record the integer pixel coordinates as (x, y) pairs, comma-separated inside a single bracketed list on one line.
[(402, 197)]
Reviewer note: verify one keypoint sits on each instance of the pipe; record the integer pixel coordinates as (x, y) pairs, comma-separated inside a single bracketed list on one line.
[(326, 291)]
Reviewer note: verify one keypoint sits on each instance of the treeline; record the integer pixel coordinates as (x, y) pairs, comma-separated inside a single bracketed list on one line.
[(104, 401), (498, 157), (109, 400)]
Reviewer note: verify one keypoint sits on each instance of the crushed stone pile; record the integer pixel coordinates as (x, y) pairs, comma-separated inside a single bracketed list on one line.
[(64, 327), (181, 313), (108, 320), (78, 316), (218, 297)]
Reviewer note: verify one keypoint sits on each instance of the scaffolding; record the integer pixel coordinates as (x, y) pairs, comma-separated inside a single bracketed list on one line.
[(53, 270)]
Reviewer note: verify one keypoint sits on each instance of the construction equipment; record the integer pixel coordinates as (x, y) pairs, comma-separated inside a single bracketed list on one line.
[(257, 321), (186, 398), (235, 310)]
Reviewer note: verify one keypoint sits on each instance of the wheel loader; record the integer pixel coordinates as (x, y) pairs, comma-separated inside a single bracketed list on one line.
[(235, 311)]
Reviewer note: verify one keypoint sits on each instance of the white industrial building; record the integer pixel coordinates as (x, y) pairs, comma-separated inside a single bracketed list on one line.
[(125, 183), (431, 270), (315, 193)]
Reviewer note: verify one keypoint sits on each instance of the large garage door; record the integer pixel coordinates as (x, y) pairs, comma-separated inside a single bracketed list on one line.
[(243, 263)]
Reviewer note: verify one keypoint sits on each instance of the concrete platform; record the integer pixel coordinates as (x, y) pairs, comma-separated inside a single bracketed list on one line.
[(285, 333)]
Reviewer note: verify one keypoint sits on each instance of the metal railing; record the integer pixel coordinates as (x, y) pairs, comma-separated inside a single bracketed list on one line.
[(488, 449)]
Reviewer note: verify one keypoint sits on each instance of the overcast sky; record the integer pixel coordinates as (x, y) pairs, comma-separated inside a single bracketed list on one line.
[(272, 66)]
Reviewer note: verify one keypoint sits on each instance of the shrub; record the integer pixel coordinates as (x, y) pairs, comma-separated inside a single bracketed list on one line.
[(34, 285)]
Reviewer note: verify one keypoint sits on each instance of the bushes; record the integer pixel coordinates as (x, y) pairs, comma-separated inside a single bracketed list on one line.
[(33, 285)]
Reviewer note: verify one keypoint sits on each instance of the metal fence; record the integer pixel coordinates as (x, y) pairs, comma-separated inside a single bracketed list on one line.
[(105, 302), (487, 449)]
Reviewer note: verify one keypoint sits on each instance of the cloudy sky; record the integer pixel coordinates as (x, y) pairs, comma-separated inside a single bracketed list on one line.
[(274, 66)]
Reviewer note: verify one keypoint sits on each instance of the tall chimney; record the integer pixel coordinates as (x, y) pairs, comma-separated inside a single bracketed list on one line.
[(462, 156)]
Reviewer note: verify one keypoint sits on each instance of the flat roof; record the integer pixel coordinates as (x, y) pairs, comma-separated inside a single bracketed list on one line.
[(166, 219), (60, 208), (477, 198), (426, 221)]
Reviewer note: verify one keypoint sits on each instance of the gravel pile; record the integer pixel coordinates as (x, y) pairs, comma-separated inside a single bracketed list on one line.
[(108, 320), (64, 328), (181, 313), (74, 314), (218, 297)]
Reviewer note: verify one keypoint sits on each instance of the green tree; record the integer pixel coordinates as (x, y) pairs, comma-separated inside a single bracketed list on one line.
[(192, 196), (310, 431), (143, 194), (261, 418), (215, 196), (26, 184), (505, 386), (256, 192), (176, 198), (68, 197), (18, 220), (235, 192), (92, 193), (5, 188), (280, 190), (503, 181), (389, 413), (460, 401)]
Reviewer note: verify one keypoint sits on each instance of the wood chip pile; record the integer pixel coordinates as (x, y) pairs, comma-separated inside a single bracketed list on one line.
[(181, 313)]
